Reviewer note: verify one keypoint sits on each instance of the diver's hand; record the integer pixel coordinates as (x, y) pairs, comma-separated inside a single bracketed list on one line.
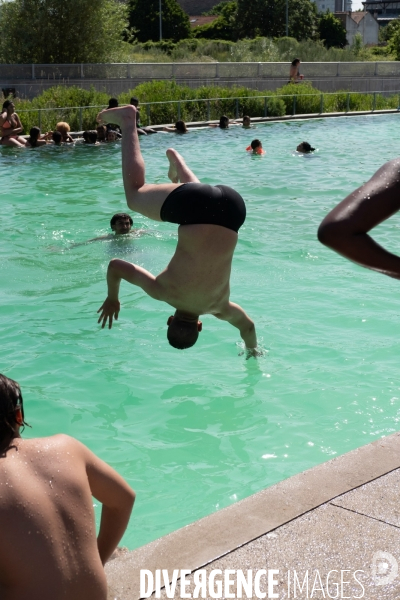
[(253, 352), (109, 310)]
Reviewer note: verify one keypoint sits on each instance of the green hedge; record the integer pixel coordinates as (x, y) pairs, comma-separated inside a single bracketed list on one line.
[(236, 101)]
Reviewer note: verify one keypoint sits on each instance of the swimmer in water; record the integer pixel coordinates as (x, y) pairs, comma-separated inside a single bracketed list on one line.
[(346, 228), (305, 148), (256, 147), (121, 224), (49, 547), (196, 281)]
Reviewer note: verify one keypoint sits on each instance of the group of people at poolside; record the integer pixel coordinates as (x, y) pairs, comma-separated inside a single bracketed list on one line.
[(49, 545)]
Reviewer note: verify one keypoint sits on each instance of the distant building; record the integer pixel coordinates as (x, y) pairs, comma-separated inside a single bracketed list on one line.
[(384, 11), (359, 22), (333, 5)]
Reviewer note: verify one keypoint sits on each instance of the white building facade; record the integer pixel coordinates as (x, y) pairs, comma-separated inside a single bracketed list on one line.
[(333, 5), (360, 22)]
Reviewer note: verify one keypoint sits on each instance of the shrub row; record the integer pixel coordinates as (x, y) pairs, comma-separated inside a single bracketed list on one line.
[(166, 101)]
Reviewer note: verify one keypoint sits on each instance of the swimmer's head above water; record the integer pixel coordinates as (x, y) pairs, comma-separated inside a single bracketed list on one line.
[(305, 148), (183, 330), (121, 223)]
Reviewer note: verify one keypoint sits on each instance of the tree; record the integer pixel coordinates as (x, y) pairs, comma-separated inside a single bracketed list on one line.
[(331, 31), (268, 18), (223, 28), (144, 20), (60, 31), (393, 37)]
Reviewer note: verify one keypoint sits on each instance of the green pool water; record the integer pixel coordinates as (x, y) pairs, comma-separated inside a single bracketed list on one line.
[(197, 430)]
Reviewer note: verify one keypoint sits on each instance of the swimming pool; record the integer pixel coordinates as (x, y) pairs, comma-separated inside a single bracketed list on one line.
[(194, 431)]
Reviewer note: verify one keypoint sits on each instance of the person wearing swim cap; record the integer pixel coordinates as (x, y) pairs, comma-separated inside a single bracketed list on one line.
[(346, 229), (49, 548), (196, 280)]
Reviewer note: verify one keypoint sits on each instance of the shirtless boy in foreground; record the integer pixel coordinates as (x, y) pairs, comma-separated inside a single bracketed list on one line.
[(196, 281), (346, 228), (48, 548)]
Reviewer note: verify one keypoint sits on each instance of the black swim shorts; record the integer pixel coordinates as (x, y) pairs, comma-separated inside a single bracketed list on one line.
[(202, 204)]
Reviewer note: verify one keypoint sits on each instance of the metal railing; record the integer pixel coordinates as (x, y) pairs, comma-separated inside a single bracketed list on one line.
[(208, 109)]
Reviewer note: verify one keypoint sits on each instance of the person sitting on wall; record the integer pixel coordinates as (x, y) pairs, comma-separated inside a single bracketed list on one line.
[(140, 129), (294, 72), (49, 548), (64, 129), (113, 103), (11, 127)]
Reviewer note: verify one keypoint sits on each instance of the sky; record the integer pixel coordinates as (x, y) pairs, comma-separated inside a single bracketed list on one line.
[(356, 4)]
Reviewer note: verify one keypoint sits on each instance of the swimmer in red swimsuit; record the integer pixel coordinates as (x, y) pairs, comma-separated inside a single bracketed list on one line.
[(196, 281), (10, 126)]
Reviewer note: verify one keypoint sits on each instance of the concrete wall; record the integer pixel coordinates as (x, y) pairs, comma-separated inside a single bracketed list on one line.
[(368, 27), (30, 80)]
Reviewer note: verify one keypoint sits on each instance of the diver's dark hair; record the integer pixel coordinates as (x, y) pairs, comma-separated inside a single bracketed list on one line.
[(112, 103), (10, 399), (181, 126), (224, 122), (118, 216), (295, 62), (255, 144), (6, 104), (134, 101), (182, 334)]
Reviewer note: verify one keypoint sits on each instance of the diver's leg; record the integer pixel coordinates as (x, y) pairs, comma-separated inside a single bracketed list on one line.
[(178, 169), (146, 199)]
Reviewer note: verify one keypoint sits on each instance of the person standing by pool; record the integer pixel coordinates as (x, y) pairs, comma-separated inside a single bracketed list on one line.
[(49, 548), (196, 281), (346, 228)]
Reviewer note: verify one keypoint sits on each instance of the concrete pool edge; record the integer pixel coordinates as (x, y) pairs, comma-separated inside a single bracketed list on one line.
[(301, 117), (196, 545)]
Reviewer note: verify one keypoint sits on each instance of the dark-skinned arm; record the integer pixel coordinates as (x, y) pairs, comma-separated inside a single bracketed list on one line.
[(346, 228)]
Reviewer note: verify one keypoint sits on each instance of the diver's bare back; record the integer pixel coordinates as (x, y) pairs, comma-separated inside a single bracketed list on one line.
[(48, 546), (197, 277)]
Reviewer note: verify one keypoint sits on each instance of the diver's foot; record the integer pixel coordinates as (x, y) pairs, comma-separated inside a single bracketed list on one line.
[(122, 116), (172, 171), (179, 171)]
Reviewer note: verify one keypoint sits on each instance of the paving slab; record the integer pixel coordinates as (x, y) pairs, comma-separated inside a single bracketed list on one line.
[(379, 499), (226, 531), (328, 551)]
